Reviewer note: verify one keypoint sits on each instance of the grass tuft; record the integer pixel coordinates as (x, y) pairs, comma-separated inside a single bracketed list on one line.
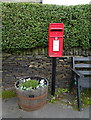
[(7, 94)]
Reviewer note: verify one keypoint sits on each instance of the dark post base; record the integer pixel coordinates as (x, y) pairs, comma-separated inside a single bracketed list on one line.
[(53, 75)]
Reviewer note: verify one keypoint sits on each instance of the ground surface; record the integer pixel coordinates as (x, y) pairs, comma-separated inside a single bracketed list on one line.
[(10, 109)]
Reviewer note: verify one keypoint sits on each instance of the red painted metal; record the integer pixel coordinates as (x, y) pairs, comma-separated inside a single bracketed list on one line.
[(55, 39)]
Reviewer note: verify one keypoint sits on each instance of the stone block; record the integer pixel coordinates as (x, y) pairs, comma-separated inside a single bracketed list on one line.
[(67, 66)]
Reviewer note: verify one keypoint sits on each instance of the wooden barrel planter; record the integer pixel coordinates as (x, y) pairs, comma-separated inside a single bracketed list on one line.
[(30, 100)]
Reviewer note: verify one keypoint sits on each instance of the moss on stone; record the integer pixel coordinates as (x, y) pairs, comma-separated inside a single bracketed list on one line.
[(7, 94)]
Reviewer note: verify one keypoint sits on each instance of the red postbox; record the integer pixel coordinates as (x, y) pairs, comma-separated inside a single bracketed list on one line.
[(55, 39)]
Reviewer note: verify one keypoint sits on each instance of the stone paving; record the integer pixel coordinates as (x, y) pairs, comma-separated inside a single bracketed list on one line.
[(10, 109)]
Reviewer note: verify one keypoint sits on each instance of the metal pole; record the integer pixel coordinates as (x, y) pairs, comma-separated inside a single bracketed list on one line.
[(53, 75)]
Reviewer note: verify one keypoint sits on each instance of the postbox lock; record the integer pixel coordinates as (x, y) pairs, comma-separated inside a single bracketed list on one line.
[(56, 38)]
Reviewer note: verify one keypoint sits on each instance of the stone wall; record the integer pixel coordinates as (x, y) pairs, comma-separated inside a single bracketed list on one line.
[(20, 66)]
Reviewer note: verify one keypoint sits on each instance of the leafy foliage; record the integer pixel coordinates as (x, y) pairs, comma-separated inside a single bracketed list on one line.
[(64, 96), (30, 83), (25, 25)]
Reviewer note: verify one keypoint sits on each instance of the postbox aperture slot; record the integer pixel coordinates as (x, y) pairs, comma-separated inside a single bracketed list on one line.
[(56, 29)]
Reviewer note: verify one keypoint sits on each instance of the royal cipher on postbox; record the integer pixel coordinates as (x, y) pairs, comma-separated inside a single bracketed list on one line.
[(55, 39)]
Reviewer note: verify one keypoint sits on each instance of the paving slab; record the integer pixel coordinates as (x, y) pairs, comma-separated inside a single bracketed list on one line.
[(10, 109)]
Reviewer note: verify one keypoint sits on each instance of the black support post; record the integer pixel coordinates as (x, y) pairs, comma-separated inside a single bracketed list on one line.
[(53, 75)]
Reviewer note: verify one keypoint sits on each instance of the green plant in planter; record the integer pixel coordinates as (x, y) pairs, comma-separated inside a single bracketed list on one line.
[(31, 84)]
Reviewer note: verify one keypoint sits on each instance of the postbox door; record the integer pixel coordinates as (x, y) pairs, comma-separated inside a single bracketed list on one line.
[(55, 47)]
